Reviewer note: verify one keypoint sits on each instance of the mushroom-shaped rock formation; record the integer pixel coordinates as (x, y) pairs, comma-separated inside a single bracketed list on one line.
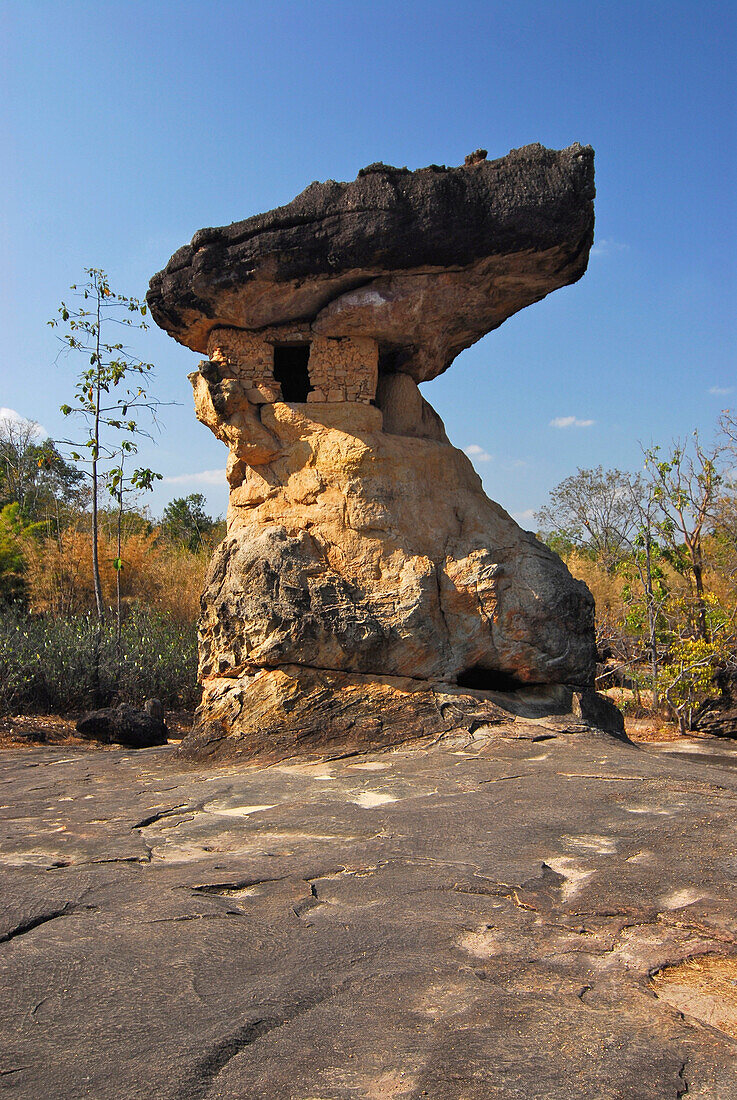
[(367, 589)]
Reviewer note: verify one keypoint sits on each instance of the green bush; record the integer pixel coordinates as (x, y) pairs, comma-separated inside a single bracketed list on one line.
[(72, 664)]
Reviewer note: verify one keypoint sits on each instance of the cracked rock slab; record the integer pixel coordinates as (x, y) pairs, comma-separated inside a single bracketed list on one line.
[(481, 918)]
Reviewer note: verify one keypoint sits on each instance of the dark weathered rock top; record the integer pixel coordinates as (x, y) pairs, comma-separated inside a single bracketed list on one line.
[(425, 261)]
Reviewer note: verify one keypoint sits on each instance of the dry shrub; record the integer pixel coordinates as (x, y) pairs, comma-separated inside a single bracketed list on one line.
[(177, 578), (607, 589), (155, 574)]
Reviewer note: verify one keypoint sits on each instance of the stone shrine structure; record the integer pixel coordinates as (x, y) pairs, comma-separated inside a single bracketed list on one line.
[(367, 590)]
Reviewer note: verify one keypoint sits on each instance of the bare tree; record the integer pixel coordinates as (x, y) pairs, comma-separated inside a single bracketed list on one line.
[(685, 487), (645, 551), (18, 466), (33, 473), (593, 509)]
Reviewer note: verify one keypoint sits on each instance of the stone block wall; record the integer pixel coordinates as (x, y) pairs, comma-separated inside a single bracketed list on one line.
[(340, 369), (344, 369), (249, 358)]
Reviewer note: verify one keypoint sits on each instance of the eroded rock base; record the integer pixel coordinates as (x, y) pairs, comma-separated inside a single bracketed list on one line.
[(364, 575), (276, 713)]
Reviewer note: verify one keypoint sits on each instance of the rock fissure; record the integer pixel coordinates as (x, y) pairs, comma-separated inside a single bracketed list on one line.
[(30, 923), (184, 917), (223, 1051), (233, 888), (309, 902), (441, 612), (159, 815), (202, 1078), (683, 1088), (116, 859)]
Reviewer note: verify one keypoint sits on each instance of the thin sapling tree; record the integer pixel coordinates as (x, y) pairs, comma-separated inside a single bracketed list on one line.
[(119, 485), (110, 394)]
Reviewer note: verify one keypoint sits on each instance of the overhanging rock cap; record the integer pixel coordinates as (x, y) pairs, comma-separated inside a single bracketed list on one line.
[(425, 262)]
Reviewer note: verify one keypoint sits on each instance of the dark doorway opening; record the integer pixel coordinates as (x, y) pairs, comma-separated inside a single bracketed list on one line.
[(489, 679), (290, 371)]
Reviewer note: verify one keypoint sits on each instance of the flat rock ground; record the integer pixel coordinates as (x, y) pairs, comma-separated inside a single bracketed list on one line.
[(501, 918)]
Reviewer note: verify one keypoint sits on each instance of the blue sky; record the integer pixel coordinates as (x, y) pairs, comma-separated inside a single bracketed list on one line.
[(126, 127)]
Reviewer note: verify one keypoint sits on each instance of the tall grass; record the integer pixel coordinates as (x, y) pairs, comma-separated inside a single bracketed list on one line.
[(72, 663), (156, 574)]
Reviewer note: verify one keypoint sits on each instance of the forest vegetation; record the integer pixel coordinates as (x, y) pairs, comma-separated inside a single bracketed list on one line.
[(56, 654), (658, 550)]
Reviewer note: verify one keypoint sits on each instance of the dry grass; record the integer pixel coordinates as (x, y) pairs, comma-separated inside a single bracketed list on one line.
[(155, 574), (651, 730), (705, 988)]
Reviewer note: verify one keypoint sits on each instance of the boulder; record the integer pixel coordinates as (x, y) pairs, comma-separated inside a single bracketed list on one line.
[(718, 716), (126, 725), (367, 590), (362, 551), (364, 579)]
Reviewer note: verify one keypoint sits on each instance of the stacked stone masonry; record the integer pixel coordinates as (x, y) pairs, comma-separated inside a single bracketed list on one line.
[(340, 369)]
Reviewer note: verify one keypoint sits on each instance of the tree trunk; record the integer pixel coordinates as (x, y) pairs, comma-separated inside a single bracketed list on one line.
[(95, 550), (698, 572), (652, 624), (118, 567), (95, 526)]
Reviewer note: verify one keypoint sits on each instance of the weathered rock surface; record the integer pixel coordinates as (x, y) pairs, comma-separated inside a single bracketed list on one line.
[(358, 555), (470, 921), (426, 262), (363, 564), (125, 725)]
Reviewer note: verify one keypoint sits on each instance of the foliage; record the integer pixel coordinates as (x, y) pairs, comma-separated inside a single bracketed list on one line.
[(185, 522), (688, 672), (33, 473), (685, 484), (14, 530), (70, 664)]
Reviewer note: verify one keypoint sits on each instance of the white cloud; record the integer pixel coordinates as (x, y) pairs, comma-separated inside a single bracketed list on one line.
[(476, 453), (516, 464), (606, 246), (570, 422), (721, 391), (204, 477), (16, 418), (524, 518)]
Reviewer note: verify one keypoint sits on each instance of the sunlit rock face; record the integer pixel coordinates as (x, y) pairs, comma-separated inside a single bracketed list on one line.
[(367, 589)]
